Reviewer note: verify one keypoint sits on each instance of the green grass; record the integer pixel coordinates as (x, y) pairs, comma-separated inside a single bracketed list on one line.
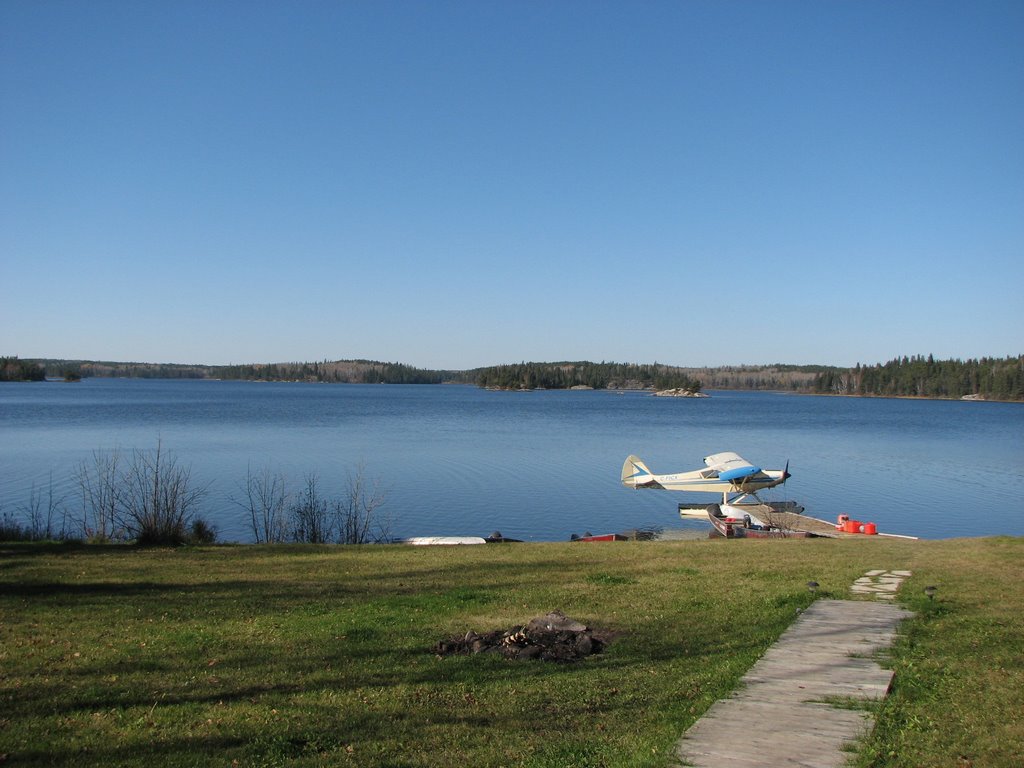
[(299, 655)]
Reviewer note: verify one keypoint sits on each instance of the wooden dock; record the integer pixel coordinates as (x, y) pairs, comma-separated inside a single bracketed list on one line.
[(787, 521), (783, 713)]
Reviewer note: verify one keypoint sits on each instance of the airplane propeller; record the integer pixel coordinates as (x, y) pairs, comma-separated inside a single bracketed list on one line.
[(785, 473)]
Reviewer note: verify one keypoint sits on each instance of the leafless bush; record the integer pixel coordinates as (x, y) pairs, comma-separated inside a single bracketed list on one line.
[(266, 500), (46, 514), (357, 514), (310, 514), (156, 500), (149, 497), (354, 518), (98, 486)]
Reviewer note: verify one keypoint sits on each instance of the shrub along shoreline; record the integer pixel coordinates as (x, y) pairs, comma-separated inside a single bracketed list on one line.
[(148, 497), (315, 655)]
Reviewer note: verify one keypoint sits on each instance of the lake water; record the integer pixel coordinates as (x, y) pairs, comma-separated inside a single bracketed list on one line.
[(458, 460)]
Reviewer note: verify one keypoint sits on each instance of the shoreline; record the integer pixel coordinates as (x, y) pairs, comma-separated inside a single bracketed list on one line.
[(614, 390)]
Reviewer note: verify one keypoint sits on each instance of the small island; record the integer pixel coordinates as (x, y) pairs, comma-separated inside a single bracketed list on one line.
[(679, 392)]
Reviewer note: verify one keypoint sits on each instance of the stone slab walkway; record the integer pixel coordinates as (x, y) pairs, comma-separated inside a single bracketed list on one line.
[(882, 585), (781, 715)]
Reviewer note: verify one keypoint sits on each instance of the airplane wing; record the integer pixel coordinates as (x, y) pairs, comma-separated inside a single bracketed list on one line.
[(730, 466)]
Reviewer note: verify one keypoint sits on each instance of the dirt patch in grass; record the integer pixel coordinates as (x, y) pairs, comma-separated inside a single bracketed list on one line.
[(552, 637)]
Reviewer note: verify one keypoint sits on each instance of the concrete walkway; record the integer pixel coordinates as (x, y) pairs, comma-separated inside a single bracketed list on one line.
[(781, 715)]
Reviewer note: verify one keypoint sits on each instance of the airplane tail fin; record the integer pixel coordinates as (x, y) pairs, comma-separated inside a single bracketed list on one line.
[(635, 473)]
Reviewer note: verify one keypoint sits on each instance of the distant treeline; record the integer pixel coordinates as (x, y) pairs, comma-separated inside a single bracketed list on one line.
[(13, 369), (585, 374), (776, 377), (987, 378), (338, 371)]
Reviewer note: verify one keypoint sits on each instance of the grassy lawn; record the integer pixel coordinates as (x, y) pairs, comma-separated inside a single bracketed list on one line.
[(296, 655)]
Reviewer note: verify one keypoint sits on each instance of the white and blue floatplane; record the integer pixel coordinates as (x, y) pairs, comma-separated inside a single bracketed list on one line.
[(741, 513), (725, 473)]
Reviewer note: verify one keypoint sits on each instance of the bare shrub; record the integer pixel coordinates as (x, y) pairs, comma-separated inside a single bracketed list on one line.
[(266, 500), (357, 515), (156, 500), (46, 514), (354, 518), (310, 514), (98, 487)]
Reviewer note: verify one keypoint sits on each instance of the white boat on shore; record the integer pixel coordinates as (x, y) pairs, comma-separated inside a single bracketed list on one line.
[(434, 541)]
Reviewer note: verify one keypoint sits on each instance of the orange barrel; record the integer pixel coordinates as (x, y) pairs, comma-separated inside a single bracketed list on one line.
[(852, 526), (870, 529)]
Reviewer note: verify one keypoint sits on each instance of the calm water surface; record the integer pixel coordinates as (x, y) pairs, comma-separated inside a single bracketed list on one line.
[(538, 466)]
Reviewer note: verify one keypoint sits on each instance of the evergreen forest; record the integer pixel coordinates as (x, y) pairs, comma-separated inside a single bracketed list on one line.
[(13, 369), (984, 379), (585, 374)]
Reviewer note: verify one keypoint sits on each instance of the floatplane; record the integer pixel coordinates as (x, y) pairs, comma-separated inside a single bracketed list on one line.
[(741, 513), (725, 473)]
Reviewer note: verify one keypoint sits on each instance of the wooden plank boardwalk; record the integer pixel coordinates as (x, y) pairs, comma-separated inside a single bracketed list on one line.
[(781, 715)]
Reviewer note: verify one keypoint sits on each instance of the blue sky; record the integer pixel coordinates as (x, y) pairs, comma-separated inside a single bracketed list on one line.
[(453, 185)]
